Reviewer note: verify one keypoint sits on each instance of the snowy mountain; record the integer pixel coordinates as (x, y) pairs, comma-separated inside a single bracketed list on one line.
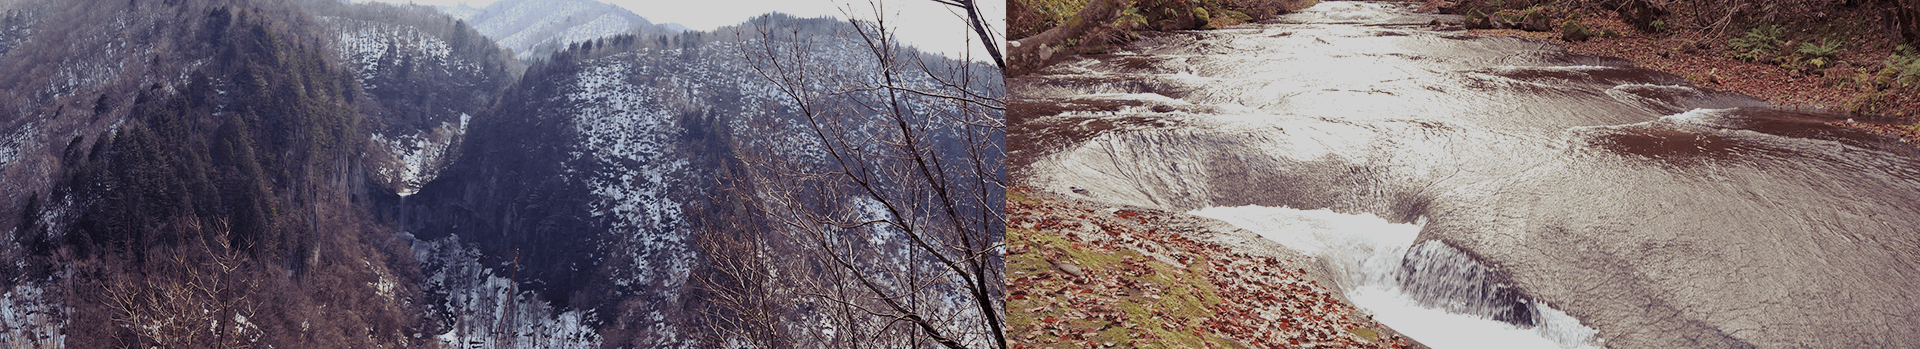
[(535, 28), (624, 146), (598, 169), (424, 75)]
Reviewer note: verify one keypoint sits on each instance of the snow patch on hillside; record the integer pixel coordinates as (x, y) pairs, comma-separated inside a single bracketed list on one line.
[(15, 143), (482, 308), (15, 33), (632, 138), (371, 47)]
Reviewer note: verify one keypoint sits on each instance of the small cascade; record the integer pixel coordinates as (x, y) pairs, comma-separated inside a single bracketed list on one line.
[(1429, 291), (1440, 276)]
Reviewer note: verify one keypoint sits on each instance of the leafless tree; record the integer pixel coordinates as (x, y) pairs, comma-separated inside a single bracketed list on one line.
[(740, 284), (191, 298), (981, 29), (885, 197)]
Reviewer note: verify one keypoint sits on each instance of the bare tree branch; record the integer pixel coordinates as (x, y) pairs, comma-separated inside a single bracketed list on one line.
[(896, 218)]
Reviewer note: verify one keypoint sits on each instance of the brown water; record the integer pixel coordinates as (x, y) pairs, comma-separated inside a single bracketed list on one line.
[(1657, 213)]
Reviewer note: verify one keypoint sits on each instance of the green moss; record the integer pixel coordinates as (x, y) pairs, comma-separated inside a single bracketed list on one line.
[(1367, 333), (1237, 15), (1537, 12), (1184, 296), (1018, 197), (1508, 15), (1571, 30), (1201, 16)]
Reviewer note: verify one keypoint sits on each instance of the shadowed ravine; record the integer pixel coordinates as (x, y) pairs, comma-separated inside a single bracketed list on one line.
[(1658, 214)]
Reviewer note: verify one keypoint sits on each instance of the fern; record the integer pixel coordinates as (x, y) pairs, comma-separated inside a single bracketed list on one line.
[(1820, 55), (1131, 18), (1906, 61), (1826, 48), (1758, 42)]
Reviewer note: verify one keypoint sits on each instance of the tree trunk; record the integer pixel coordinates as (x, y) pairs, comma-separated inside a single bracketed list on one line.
[(1033, 52)]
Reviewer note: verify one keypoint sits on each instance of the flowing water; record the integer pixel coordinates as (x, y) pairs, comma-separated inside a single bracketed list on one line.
[(1575, 199)]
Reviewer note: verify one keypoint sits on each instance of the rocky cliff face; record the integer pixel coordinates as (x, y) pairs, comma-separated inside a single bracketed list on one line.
[(423, 74)]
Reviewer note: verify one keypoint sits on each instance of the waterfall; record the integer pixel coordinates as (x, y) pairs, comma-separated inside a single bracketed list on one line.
[(1429, 291)]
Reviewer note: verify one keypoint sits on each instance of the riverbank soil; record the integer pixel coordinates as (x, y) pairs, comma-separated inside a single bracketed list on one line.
[(1048, 31), (1086, 275), (1838, 56)]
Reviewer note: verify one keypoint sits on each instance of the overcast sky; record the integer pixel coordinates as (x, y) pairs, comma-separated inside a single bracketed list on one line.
[(921, 23)]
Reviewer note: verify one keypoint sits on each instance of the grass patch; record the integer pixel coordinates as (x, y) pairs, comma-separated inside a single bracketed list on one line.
[(1019, 197)]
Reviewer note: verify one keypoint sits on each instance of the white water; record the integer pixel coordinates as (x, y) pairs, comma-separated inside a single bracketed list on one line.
[(1365, 254)]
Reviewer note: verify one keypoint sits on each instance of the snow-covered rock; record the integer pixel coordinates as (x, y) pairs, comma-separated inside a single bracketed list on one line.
[(420, 155), (29, 320), (483, 307)]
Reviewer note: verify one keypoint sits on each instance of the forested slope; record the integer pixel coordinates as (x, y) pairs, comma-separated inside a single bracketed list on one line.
[(229, 173)]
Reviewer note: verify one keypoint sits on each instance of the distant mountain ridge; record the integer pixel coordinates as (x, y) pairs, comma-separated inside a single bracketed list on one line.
[(536, 28)]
